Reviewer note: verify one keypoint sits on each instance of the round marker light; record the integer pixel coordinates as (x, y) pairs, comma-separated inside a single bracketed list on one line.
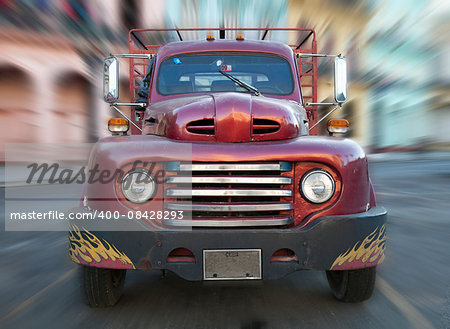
[(317, 186), (138, 186)]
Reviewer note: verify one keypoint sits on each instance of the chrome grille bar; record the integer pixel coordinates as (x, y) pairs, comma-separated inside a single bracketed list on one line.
[(228, 180), (222, 207), (226, 192), (229, 167), (269, 166), (229, 222)]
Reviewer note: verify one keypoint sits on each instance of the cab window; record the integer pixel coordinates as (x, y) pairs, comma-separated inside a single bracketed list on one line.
[(201, 73)]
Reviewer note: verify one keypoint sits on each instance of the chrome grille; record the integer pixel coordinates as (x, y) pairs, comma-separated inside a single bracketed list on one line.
[(230, 194)]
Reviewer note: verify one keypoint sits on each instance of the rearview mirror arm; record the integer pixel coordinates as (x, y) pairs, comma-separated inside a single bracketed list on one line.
[(124, 115), (338, 106)]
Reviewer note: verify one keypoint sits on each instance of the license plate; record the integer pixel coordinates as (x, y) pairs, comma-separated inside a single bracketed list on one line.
[(233, 264)]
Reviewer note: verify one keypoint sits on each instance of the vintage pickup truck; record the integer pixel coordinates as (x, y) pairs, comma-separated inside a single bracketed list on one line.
[(222, 175)]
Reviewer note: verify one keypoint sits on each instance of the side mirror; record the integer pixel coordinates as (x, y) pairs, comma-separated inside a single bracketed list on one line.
[(111, 79), (340, 79)]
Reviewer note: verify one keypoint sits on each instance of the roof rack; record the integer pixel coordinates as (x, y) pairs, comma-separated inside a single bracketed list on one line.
[(148, 41), (144, 39)]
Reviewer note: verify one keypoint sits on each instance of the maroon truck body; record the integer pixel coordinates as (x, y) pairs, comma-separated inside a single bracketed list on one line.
[(229, 129)]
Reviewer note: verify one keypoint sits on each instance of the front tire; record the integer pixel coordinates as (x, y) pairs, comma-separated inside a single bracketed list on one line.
[(352, 286), (102, 287)]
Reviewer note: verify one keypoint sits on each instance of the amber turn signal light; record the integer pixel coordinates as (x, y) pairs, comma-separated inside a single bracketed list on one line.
[(337, 126), (240, 37), (210, 37), (118, 125)]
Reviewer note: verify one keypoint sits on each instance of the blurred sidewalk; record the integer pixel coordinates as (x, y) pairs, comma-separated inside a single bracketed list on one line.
[(408, 156), (16, 175)]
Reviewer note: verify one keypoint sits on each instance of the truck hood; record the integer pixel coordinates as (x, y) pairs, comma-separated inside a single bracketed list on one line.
[(225, 117)]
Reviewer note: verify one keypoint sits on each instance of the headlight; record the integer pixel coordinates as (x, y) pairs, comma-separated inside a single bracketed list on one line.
[(317, 186), (138, 186)]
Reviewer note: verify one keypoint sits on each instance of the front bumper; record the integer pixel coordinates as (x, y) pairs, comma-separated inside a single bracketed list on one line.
[(329, 243)]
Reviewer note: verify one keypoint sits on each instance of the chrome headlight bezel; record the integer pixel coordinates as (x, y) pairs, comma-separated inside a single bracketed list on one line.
[(308, 195), (144, 175)]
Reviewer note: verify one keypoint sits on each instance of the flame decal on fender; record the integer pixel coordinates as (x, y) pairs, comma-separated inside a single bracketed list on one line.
[(87, 249), (367, 253)]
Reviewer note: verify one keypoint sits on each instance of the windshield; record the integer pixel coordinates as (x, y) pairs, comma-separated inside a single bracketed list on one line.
[(201, 73)]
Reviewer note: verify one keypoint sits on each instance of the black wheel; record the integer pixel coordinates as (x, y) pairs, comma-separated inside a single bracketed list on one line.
[(353, 285), (102, 287)]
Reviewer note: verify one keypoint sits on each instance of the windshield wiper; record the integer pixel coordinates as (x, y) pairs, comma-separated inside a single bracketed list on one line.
[(241, 83)]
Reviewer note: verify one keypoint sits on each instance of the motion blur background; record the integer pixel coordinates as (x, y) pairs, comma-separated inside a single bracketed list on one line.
[(398, 55), (51, 55)]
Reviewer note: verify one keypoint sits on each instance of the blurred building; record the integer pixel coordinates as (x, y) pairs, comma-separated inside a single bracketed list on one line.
[(340, 28), (50, 69), (439, 109), (45, 91), (409, 65)]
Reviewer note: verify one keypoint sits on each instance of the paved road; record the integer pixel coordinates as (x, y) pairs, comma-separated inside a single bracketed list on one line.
[(38, 284)]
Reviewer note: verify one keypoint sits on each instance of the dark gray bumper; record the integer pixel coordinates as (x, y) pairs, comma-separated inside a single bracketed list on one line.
[(338, 242)]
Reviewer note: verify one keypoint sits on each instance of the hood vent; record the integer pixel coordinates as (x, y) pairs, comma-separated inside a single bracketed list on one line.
[(201, 127), (206, 126), (265, 126)]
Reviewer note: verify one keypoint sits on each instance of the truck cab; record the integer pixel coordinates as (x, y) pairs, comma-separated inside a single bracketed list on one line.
[(219, 173)]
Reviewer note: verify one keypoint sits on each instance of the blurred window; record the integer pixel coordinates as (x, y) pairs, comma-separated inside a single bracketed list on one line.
[(200, 73)]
